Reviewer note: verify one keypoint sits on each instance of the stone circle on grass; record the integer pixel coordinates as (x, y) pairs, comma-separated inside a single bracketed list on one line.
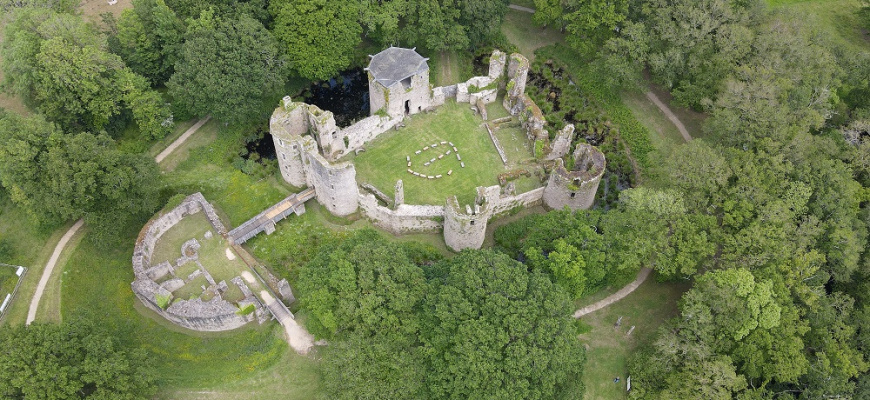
[(432, 161)]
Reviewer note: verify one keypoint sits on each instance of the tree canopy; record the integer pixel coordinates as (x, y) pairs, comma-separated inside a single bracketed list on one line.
[(318, 36), (70, 361), (61, 66), (229, 67)]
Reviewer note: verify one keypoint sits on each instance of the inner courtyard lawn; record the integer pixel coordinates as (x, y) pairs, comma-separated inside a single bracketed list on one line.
[(384, 161)]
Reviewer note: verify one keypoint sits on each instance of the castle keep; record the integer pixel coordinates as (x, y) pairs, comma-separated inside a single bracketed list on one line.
[(309, 144)]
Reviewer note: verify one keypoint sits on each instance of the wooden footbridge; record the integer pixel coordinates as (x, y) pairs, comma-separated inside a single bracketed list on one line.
[(265, 221)]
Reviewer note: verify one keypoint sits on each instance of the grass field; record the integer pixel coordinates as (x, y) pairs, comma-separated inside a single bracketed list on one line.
[(384, 161), (528, 37), (609, 347), (839, 17)]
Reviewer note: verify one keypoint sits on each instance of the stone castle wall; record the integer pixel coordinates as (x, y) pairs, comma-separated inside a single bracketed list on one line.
[(214, 315), (335, 184), (404, 218)]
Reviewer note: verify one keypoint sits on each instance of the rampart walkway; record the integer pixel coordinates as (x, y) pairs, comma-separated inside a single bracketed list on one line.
[(265, 221)]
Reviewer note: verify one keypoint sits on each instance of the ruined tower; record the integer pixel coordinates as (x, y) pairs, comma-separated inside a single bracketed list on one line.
[(398, 82), (464, 229), (301, 162), (576, 187)]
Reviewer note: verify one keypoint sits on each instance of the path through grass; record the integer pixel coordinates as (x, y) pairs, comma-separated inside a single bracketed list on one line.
[(609, 347)]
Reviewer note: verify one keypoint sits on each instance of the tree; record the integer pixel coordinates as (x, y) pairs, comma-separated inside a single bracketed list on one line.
[(482, 19), (318, 36), (373, 367), (363, 284), (57, 176), (61, 67), (150, 37), (589, 23), (70, 361), (435, 25), (495, 330), (229, 67)]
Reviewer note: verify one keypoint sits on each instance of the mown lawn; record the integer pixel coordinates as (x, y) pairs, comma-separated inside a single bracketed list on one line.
[(609, 347), (384, 162), (528, 37)]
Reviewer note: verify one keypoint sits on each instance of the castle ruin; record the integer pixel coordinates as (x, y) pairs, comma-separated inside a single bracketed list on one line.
[(309, 144)]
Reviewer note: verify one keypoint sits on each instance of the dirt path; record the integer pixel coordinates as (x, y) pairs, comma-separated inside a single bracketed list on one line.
[(52, 262), (298, 338), (670, 114), (521, 8), (40, 287), (613, 298), (181, 139)]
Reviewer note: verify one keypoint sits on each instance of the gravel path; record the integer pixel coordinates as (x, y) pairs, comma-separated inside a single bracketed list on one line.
[(521, 8), (613, 298), (188, 133), (670, 114), (52, 262), (40, 287)]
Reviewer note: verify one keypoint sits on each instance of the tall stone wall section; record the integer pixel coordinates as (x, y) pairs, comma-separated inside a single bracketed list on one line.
[(213, 315), (575, 188), (404, 218)]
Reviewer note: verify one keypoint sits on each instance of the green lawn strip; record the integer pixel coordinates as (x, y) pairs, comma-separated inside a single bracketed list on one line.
[(528, 37), (839, 17), (291, 377), (180, 128), (50, 302), (665, 135), (609, 347), (31, 247), (384, 160)]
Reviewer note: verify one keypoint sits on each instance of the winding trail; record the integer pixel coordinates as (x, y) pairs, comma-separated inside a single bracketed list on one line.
[(613, 298), (49, 267), (670, 114), (61, 245), (521, 8), (644, 273)]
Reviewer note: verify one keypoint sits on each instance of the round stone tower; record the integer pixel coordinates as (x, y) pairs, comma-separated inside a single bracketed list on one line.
[(464, 230), (576, 187)]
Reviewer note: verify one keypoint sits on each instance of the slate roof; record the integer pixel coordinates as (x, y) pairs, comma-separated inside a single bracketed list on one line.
[(396, 63)]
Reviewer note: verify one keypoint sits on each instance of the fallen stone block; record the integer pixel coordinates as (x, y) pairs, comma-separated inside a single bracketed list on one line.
[(450, 172), (462, 164), (417, 152), (437, 176)]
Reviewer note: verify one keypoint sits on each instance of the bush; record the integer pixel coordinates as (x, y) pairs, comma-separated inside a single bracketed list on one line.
[(163, 301)]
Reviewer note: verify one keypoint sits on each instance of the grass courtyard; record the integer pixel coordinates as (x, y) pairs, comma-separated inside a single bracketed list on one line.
[(212, 256), (384, 162)]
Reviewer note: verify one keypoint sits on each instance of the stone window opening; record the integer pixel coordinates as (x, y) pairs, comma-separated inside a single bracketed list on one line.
[(407, 106), (573, 194), (472, 222), (406, 83)]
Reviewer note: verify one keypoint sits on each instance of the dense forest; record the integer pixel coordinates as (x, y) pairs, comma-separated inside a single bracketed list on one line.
[(767, 215)]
